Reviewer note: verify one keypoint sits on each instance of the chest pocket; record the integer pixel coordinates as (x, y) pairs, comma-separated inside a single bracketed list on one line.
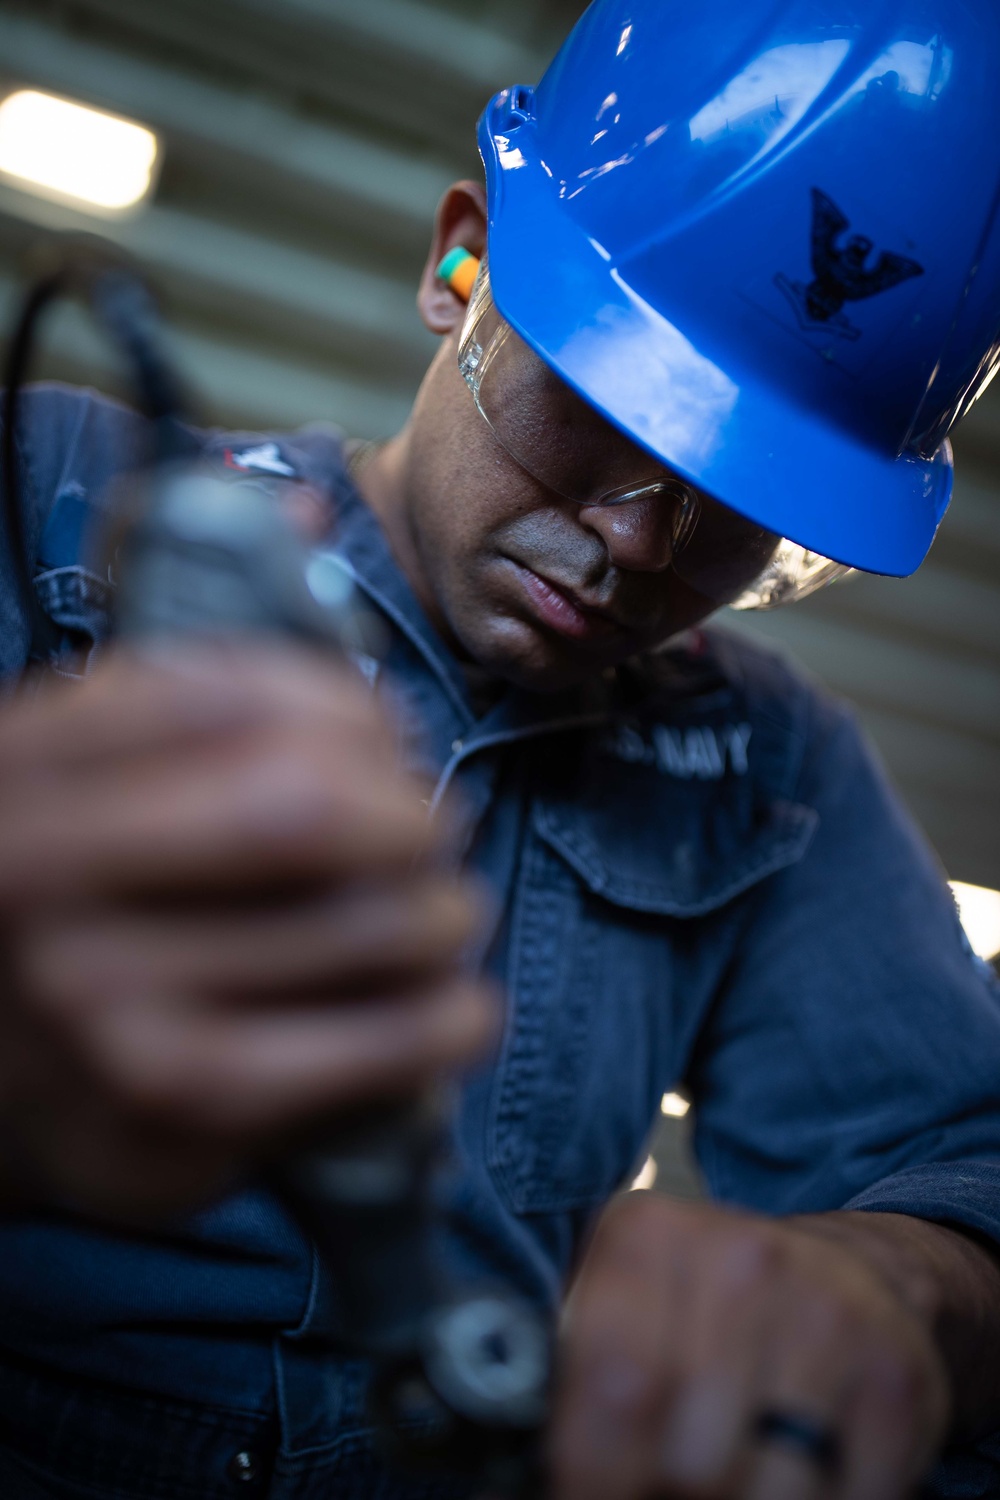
[(626, 917)]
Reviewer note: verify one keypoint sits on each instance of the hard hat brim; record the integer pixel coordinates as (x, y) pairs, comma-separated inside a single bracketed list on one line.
[(726, 430)]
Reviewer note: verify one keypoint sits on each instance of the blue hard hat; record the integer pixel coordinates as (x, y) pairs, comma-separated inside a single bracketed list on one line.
[(763, 238)]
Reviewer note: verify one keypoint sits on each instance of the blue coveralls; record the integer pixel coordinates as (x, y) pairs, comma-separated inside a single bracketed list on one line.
[(703, 880)]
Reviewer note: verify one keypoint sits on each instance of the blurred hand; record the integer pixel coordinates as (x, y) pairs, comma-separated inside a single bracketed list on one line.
[(220, 921), (689, 1322)]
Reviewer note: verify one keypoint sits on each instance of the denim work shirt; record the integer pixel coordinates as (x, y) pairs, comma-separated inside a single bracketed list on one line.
[(704, 881)]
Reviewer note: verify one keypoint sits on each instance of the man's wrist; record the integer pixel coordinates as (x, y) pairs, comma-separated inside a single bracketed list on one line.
[(908, 1254), (949, 1281)]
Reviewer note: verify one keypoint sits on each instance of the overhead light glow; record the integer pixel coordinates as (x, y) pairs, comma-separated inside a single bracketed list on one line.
[(980, 913), (675, 1106), (56, 147)]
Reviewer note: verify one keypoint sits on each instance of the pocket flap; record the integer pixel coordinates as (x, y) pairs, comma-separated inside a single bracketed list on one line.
[(671, 848)]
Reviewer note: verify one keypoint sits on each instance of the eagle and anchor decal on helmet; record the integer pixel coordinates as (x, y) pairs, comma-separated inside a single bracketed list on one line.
[(842, 274)]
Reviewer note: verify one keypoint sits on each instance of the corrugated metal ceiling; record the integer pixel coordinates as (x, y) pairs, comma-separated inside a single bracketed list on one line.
[(307, 142)]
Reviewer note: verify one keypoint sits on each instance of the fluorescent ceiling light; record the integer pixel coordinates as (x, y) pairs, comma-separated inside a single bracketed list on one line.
[(65, 150), (980, 913)]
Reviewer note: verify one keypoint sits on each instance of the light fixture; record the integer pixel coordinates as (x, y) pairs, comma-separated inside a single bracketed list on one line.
[(60, 149), (675, 1106), (980, 912)]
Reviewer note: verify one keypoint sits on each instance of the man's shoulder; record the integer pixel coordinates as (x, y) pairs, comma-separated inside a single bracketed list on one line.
[(73, 445), (75, 442), (67, 434)]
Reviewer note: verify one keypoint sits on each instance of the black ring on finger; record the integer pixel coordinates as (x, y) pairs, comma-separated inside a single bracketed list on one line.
[(801, 1435)]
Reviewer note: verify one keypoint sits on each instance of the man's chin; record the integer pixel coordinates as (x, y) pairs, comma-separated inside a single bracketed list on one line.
[(498, 633), (529, 659)]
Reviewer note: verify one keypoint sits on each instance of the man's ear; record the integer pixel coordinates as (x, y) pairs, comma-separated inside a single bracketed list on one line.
[(460, 221)]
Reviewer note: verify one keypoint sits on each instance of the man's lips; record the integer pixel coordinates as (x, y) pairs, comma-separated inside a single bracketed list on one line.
[(561, 610)]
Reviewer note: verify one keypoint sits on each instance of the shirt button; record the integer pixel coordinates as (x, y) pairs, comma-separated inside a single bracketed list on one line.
[(245, 1467), (457, 746)]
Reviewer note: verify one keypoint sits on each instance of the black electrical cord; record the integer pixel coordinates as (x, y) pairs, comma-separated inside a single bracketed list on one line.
[(120, 298)]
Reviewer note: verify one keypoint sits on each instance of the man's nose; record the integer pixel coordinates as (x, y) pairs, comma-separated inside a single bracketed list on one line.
[(638, 535)]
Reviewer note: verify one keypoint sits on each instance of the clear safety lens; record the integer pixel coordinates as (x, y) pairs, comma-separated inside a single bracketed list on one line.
[(792, 574), (563, 442), (545, 426)]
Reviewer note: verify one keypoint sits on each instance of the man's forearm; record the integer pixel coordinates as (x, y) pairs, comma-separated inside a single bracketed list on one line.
[(951, 1281)]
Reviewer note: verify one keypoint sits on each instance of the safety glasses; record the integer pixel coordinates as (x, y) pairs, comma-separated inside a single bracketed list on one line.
[(566, 445)]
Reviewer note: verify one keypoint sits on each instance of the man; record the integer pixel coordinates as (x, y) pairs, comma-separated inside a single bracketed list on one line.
[(226, 918)]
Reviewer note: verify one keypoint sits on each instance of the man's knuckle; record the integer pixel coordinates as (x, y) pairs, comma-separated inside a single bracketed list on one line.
[(50, 980), (139, 1076), (750, 1256), (628, 1222), (899, 1379), (142, 1089), (196, 1102), (309, 775), (288, 777), (835, 1327), (629, 1379)]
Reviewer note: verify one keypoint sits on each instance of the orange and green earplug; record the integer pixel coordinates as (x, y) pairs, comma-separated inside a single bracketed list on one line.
[(459, 269)]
